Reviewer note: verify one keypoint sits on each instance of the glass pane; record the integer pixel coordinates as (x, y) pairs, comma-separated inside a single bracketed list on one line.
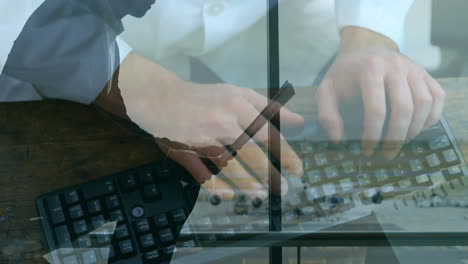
[(422, 189)]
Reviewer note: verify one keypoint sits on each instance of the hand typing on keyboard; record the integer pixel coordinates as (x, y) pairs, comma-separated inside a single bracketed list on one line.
[(196, 117), (368, 65), (233, 169)]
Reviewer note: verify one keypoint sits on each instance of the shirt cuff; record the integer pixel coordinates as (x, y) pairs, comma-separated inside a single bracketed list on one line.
[(386, 17), (124, 49)]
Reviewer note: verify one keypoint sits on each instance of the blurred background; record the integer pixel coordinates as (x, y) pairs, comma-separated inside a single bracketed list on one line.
[(437, 38)]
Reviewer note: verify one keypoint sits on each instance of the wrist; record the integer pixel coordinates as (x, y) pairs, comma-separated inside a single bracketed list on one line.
[(144, 82), (358, 38)]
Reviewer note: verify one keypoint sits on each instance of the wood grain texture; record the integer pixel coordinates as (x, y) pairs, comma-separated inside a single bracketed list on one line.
[(48, 145)]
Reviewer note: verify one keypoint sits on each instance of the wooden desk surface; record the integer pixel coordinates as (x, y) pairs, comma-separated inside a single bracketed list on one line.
[(45, 146)]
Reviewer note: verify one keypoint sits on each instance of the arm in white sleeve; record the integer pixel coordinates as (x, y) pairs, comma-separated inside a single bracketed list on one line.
[(386, 17)]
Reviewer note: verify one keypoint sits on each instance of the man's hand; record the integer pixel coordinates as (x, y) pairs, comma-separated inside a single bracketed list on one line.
[(369, 65), (203, 116)]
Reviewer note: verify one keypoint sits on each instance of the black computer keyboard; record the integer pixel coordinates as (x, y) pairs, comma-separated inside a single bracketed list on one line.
[(149, 204)]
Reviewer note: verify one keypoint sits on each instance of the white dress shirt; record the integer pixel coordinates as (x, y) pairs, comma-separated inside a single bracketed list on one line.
[(228, 36)]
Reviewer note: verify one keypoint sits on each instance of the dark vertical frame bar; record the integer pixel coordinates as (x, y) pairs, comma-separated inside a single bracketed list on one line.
[(275, 254)]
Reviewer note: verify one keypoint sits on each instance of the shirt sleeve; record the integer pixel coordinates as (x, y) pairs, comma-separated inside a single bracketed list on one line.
[(386, 17), (68, 49), (124, 49)]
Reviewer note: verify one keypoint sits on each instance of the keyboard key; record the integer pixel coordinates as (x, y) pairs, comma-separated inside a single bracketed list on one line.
[(116, 215), (98, 221), (454, 171), (381, 175), (338, 156), (128, 182), (433, 160), (165, 235), (112, 202), (415, 165), (138, 211), (364, 179), (76, 211), (71, 197), (418, 148), (93, 190), (312, 194), (63, 236), (388, 188), (121, 231), (147, 241), (439, 142), (329, 189), (293, 199), (296, 184), (331, 172), (422, 178), (348, 167), (450, 155), (169, 250), (178, 215), (161, 220), (320, 159), (152, 256), (80, 227), (84, 241), (103, 238), (89, 257), (313, 176), (436, 129), (142, 225), (70, 259), (94, 207), (126, 247), (146, 176), (346, 184), (399, 171), (370, 193), (405, 183), (150, 192), (308, 210), (163, 171), (55, 209)]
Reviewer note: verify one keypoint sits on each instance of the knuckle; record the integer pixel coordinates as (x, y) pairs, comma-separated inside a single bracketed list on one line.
[(440, 94), (235, 102), (373, 64), (214, 118), (403, 108), (396, 61), (422, 101)]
